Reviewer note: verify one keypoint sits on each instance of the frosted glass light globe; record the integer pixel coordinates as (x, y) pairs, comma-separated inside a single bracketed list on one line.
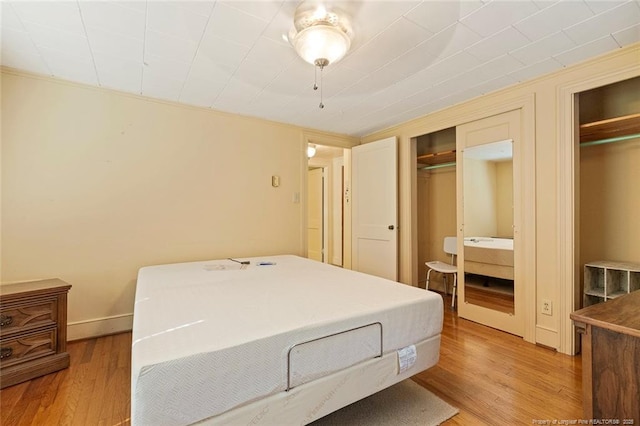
[(321, 42)]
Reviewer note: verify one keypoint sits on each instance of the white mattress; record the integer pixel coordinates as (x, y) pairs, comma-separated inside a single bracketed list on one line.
[(211, 336), (489, 242)]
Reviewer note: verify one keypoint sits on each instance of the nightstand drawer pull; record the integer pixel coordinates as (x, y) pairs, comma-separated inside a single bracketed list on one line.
[(5, 353), (5, 320)]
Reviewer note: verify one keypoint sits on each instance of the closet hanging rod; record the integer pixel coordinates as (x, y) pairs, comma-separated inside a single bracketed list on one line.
[(610, 140), (438, 166)]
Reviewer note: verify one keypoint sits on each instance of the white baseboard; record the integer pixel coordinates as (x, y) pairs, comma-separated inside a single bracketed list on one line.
[(547, 337), (99, 327)]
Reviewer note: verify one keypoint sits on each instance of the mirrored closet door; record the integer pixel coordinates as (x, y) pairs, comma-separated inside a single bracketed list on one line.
[(489, 286)]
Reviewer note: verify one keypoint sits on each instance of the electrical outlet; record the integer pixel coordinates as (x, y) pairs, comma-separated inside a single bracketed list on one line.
[(546, 307)]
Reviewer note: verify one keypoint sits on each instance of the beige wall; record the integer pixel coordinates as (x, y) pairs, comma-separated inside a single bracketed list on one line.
[(488, 198), (436, 219), (96, 184), (423, 180), (610, 202), (548, 210), (504, 198), (480, 198)]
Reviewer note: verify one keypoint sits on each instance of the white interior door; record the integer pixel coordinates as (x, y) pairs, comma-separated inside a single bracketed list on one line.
[(375, 208), (315, 215)]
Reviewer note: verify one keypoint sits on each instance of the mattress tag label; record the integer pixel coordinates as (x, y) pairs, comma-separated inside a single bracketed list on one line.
[(406, 358)]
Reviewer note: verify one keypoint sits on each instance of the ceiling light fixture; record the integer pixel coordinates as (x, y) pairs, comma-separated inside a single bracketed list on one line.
[(311, 150), (320, 36)]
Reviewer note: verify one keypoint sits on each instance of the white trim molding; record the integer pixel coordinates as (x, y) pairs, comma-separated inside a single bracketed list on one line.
[(99, 327), (568, 190)]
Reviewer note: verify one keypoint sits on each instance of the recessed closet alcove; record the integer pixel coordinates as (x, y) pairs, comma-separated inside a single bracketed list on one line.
[(436, 199), (608, 190)]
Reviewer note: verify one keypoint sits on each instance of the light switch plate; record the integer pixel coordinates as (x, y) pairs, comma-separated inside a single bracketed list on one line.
[(275, 181)]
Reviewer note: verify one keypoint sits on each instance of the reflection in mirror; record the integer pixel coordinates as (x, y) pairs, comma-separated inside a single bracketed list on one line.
[(325, 208), (488, 225)]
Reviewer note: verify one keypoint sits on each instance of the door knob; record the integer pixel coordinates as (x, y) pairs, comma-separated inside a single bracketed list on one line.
[(391, 227)]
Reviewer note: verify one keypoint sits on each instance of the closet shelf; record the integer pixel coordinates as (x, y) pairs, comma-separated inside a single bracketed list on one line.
[(437, 158), (610, 128)]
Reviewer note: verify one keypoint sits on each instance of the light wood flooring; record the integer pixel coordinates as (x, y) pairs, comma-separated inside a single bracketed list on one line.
[(495, 378), (492, 377), (493, 300)]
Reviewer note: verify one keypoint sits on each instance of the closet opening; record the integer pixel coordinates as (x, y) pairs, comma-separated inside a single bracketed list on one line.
[(436, 202), (608, 193)]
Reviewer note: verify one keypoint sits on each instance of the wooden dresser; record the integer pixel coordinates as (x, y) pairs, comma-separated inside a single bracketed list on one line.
[(33, 330), (611, 359)]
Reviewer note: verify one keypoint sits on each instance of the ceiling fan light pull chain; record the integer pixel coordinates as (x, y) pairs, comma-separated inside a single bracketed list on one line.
[(315, 78), (321, 103)]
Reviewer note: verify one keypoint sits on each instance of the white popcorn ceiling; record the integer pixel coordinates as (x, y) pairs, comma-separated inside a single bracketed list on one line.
[(408, 58)]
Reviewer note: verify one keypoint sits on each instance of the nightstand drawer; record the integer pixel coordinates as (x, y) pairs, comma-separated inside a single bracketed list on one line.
[(27, 316), (33, 330), (27, 347)]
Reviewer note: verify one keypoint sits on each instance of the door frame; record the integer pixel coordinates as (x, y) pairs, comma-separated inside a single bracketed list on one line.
[(408, 214), (568, 170), (324, 219), (337, 141)]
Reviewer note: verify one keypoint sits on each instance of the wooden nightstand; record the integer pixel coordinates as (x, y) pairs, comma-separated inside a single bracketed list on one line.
[(33, 330), (611, 358)]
